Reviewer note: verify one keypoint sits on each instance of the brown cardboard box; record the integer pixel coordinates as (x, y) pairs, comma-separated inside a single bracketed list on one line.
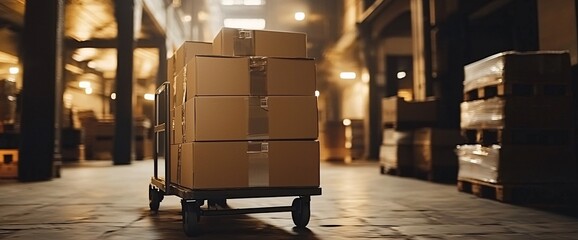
[(185, 54), (523, 67), (396, 111), (518, 112), (241, 42), (220, 75), (233, 118), (178, 127), (518, 164), (188, 50), (205, 165), (397, 158), (8, 163), (176, 150)]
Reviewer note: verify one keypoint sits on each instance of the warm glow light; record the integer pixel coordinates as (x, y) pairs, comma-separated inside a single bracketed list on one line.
[(113, 96), (14, 70), (299, 16), (401, 75), (242, 2), (347, 75), (84, 84), (246, 23), (187, 18), (88, 90), (149, 96), (346, 122), (365, 77), (317, 93), (91, 64)]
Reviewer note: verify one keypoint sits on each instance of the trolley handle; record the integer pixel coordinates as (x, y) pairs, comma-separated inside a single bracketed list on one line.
[(162, 127)]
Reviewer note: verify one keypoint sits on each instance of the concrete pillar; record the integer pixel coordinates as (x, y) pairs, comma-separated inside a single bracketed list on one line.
[(39, 148), (123, 138), (420, 25)]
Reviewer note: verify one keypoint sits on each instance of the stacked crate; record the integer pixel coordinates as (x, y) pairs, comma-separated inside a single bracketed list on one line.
[(248, 115), (433, 153), (517, 118), (399, 119)]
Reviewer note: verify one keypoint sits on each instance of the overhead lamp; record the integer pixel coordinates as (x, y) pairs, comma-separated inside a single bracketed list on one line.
[(13, 70), (84, 84), (246, 23), (299, 16), (401, 75), (317, 93), (347, 122), (187, 18), (113, 96), (149, 96), (347, 75), (88, 90)]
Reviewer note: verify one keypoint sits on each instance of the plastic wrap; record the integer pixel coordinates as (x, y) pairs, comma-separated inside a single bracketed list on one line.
[(394, 137), (517, 66), (487, 113), (478, 162)]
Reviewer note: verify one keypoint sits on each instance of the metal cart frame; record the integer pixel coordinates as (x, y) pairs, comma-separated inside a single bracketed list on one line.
[(193, 200)]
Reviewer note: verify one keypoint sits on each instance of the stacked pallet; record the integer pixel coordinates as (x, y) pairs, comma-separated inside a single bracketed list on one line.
[(244, 112), (517, 119)]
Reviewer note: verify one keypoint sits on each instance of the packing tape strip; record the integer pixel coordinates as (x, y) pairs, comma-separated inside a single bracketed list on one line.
[(179, 163), (258, 157), (258, 74), (258, 118), (243, 43)]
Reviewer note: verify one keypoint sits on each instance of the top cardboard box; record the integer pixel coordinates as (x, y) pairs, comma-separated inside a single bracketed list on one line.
[(243, 76), (187, 51), (242, 42)]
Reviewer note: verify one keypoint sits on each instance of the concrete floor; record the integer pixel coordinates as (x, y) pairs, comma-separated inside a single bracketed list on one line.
[(95, 200)]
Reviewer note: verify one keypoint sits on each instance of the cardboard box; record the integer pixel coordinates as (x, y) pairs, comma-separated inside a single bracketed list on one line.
[(235, 118), (242, 164), (518, 112), (185, 54), (242, 42), (178, 136), (260, 76), (526, 67), (438, 137), (398, 112), (395, 137), (397, 157), (8, 163), (520, 164), (188, 50)]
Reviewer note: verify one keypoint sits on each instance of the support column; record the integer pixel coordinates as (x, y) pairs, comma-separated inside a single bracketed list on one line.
[(375, 127), (123, 138), (41, 90), (420, 25)]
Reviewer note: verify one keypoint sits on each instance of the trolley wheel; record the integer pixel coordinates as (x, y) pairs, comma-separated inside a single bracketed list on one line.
[(300, 211), (156, 196), (191, 213)]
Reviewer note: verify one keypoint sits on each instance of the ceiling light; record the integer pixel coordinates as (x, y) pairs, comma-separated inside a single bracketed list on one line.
[(246, 23), (84, 84), (14, 70), (187, 18), (346, 122), (88, 90), (401, 75), (299, 16), (347, 75), (113, 96), (149, 96)]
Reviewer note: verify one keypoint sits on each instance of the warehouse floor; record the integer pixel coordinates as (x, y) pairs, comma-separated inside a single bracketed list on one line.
[(95, 200)]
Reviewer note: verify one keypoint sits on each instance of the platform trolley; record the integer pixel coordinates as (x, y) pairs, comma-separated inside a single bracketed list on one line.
[(195, 203)]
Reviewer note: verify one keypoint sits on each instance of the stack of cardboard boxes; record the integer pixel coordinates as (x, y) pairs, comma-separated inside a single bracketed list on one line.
[(243, 112), (517, 120)]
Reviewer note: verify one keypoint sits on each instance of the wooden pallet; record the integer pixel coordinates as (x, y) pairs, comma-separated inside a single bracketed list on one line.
[(518, 136), (517, 89), (521, 193)]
